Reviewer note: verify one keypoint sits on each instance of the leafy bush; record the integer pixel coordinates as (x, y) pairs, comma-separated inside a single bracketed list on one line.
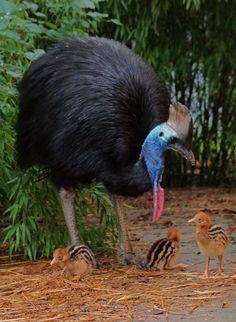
[(29, 205)]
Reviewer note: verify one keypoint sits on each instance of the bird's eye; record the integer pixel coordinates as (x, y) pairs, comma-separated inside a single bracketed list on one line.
[(59, 258), (161, 133), (173, 140), (199, 219)]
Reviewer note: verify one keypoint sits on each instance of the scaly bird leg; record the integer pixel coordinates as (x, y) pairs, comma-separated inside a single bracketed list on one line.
[(125, 253), (206, 272), (66, 198), (124, 241)]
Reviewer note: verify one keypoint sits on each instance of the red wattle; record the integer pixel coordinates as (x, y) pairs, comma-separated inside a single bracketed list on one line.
[(158, 202)]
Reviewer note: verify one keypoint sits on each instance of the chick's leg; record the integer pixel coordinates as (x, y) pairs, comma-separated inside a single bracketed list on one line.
[(66, 198), (125, 253), (220, 264), (206, 272), (219, 272), (173, 265)]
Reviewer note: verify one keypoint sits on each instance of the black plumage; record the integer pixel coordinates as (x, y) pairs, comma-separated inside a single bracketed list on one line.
[(86, 107)]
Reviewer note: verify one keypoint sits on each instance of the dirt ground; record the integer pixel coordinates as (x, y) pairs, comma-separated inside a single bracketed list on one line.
[(35, 291)]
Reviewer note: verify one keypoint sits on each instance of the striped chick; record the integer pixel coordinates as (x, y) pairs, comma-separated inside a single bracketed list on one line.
[(164, 252), (75, 260), (212, 240)]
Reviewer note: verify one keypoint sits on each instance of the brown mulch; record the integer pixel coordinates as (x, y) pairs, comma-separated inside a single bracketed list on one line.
[(35, 291)]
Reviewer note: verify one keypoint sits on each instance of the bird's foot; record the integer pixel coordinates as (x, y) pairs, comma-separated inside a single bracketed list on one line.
[(180, 267), (205, 275), (219, 273), (129, 258)]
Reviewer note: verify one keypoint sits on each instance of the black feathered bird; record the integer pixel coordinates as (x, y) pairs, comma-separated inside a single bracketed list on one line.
[(92, 109)]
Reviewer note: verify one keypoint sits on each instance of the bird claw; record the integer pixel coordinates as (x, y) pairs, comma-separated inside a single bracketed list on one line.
[(219, 273), (182, 267), (129, 258)]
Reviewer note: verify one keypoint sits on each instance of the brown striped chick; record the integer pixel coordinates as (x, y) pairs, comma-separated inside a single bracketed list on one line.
[(164, 252), (212, 240), (75, 260)]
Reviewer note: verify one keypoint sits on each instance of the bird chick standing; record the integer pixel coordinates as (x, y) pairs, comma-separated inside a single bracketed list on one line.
[(212, 240), (164, 252), (75, 260)]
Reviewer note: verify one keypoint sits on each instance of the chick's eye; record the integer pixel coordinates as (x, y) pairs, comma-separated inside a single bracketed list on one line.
[(161, 133)]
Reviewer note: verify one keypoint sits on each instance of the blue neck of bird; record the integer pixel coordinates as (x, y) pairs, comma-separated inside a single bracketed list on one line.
[(152, 152)]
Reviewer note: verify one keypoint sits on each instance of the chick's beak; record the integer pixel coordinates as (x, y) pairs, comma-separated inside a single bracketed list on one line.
[(186, 153), (53, 262), (191, 220)]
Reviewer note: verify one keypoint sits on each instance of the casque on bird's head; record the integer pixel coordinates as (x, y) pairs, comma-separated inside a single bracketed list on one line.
[(175, 134), (180, 120)]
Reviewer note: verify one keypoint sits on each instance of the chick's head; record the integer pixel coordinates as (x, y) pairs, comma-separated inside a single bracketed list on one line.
[(60, 256), (201, 219), (174, 234)]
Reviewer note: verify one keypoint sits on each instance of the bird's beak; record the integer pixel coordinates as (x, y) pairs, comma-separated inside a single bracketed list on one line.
[(53, 262), (191, 220), (187, 154)]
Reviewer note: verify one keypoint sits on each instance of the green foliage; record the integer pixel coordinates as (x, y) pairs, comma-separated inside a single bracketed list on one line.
[(29, 205), (190, 43), (36, 218)]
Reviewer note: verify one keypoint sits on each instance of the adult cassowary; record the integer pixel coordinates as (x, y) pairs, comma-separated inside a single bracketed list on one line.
[(92, 109)]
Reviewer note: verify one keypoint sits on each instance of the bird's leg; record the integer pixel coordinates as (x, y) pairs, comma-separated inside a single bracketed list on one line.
[(206, 272), (67, 202), (124, 242), (220, 264), (219, 272), (173, 265), (125, 253)]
